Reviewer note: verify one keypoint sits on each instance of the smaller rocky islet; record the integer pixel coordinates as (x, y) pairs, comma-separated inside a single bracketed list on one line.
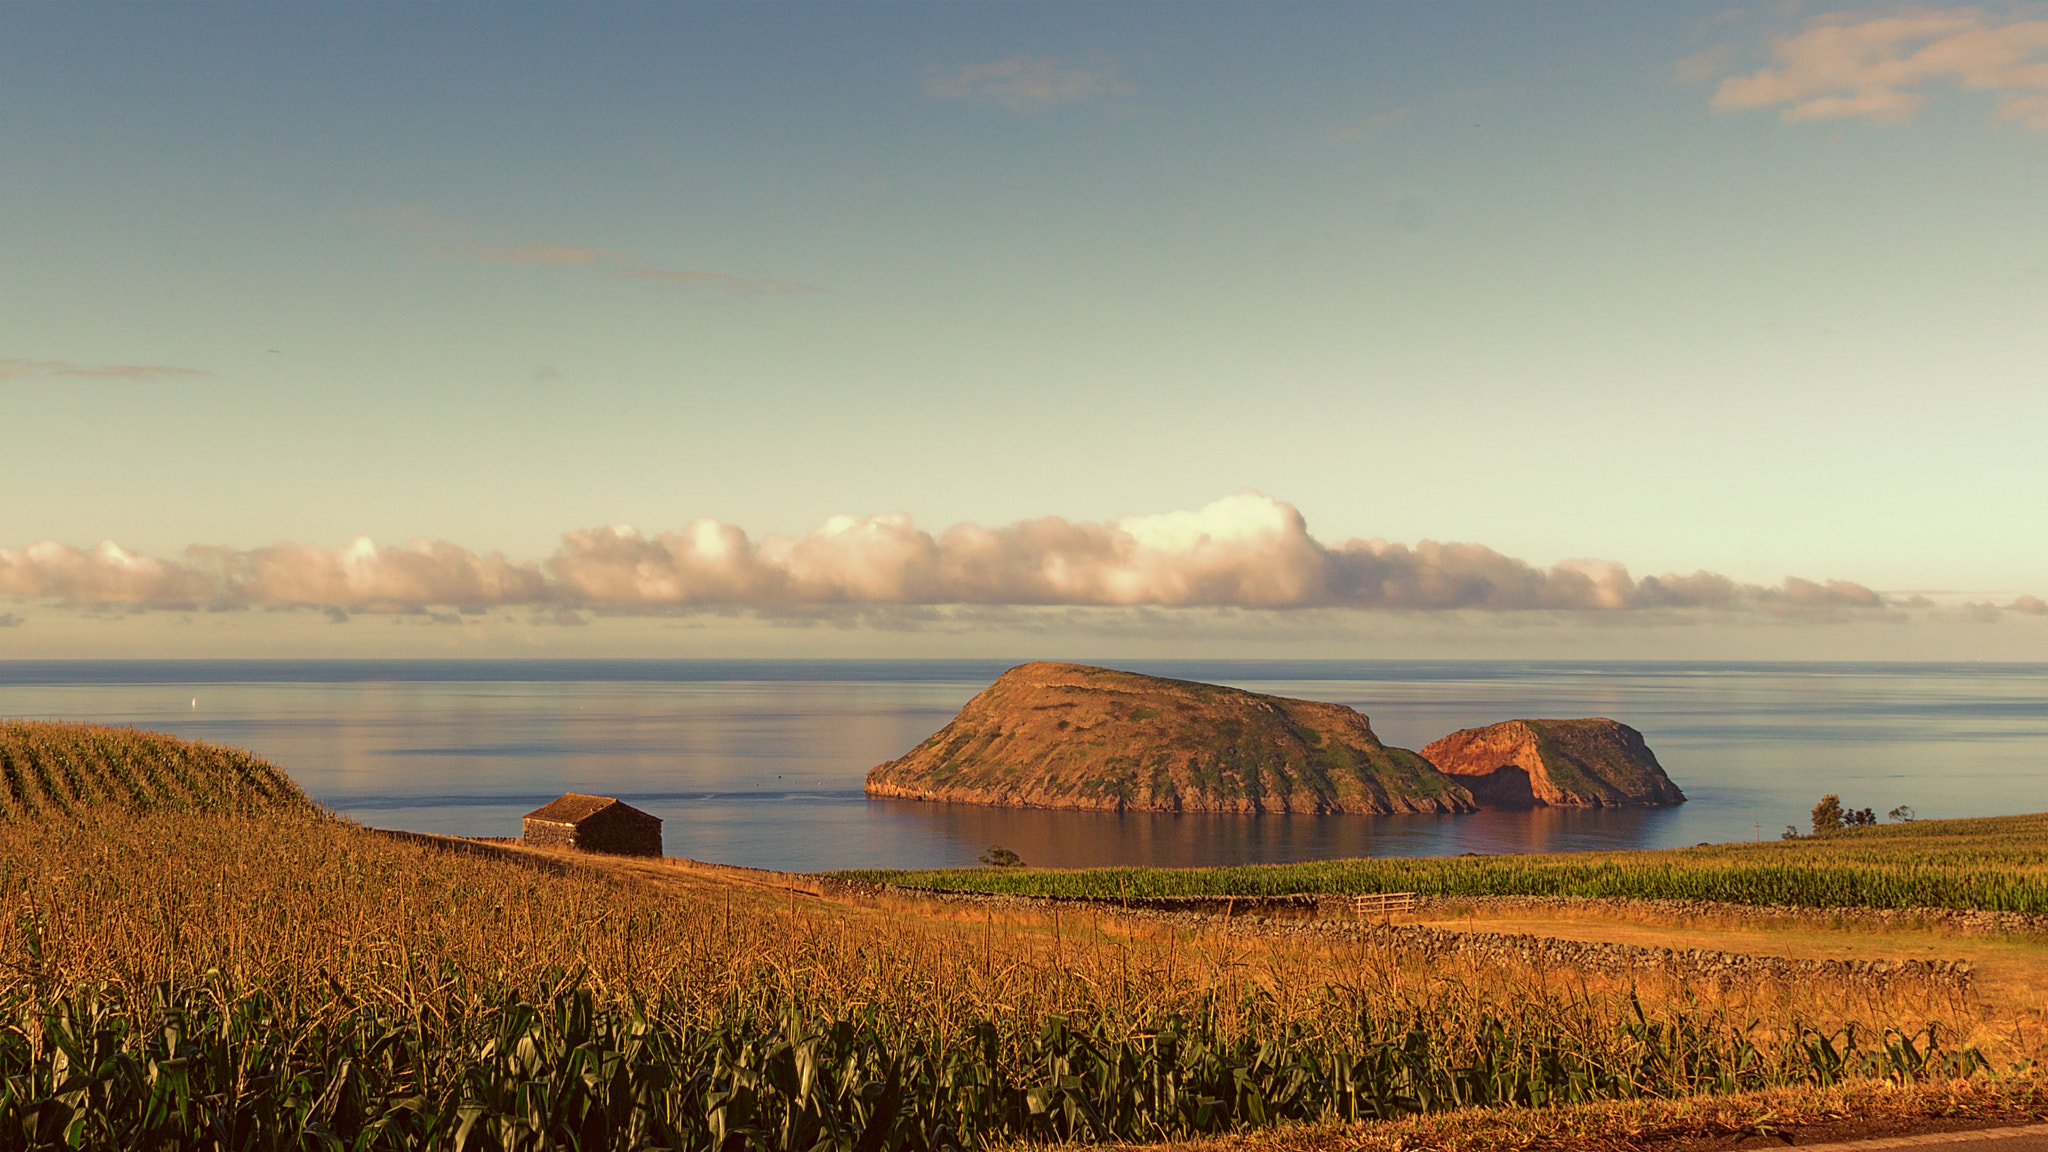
[(1057, 735), (1592, 763)]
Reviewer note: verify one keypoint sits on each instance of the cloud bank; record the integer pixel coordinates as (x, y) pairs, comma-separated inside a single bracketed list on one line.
[(1245, 551), (1880, 66)]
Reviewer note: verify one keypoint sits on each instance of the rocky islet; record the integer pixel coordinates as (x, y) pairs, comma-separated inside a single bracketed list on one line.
[(1056, 735)]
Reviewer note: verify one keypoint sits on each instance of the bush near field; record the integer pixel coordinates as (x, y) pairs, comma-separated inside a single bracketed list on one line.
[(1996, 863)]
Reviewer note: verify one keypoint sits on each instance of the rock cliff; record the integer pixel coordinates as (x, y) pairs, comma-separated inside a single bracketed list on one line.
[(1070, 736), (1559, 763)]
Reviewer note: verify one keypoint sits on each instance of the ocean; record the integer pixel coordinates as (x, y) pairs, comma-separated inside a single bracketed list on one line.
[(760, 762)]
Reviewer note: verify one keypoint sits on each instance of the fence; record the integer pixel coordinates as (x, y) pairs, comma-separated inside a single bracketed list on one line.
[(1382, 904)]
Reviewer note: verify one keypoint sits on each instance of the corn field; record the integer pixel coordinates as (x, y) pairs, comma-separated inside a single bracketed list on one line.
[(208, 980), (202, 1070), (1999, 863), (57, 769), (193, 957)]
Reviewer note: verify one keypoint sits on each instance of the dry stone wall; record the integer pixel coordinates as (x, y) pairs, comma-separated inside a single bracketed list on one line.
[(1332, 917), (1954, 921)]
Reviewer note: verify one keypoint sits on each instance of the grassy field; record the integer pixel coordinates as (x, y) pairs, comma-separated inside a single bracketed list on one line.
[(1998, 863), (263, 977)]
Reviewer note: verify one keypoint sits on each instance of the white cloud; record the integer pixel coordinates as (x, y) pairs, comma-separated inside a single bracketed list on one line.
[(107, 574), (362, 575), (366, 575), (1880, 67), (1245, 551)]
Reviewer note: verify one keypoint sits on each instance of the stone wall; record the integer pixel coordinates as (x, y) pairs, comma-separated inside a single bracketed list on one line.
[(1332, 918), (548, 834), (1953, 921), (620, 830)]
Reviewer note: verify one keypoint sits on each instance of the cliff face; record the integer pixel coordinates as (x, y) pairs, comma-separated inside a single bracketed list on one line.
[(1071, 736), (1559, 763)]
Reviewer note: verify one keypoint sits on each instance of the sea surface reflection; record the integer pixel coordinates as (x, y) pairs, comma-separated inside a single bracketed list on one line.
[(761, 762)]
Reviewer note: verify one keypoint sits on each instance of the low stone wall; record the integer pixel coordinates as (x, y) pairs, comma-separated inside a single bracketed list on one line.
[(1297, 907), (1724, 970), (1332, 918), (1952, 921), (495, 847)]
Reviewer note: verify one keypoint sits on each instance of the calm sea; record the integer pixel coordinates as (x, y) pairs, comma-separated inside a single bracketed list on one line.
[(761, 762)]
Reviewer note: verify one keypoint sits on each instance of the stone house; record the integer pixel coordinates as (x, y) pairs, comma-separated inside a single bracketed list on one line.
[(594, 824)]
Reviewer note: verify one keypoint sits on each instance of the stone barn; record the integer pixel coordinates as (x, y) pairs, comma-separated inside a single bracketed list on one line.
[(594, 824)]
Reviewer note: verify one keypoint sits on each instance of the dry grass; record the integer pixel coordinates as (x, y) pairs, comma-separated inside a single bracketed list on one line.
[(1806, 1114), (305, 903), (365, 932)]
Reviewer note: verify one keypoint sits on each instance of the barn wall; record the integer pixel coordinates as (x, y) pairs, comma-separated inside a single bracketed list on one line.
[(549, 834), (620, 831)]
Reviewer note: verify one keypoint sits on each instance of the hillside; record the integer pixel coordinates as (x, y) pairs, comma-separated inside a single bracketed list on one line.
[(1048, 735), (1559, 763), (60, 769)]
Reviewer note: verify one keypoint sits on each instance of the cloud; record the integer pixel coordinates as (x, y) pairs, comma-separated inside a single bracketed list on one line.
[(459, 246), (1245, 551), (362, 576), (1022, 83), (724, 281), (1879, 67), (1987, 611), (17, 369), (10, 620), (369, 577), (414, 219), (1704, 65), (1370, 126), (557, 255), (109, 574)]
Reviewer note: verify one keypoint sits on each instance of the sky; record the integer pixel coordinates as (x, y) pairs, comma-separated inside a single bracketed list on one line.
[(1485, 330)]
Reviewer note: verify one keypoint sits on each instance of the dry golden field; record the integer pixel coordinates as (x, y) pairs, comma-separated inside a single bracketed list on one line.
[(270, 977)]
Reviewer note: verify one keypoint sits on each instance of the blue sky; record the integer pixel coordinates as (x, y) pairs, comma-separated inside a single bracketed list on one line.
[(1562, 281)]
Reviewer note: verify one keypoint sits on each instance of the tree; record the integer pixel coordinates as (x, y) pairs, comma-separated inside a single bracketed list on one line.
[(1860, 818), (1791, 833), (1827, 815), (1000, 857), (1903, 814)]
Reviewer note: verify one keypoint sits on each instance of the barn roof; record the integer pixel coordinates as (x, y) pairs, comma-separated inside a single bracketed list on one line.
[(572, 808)]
